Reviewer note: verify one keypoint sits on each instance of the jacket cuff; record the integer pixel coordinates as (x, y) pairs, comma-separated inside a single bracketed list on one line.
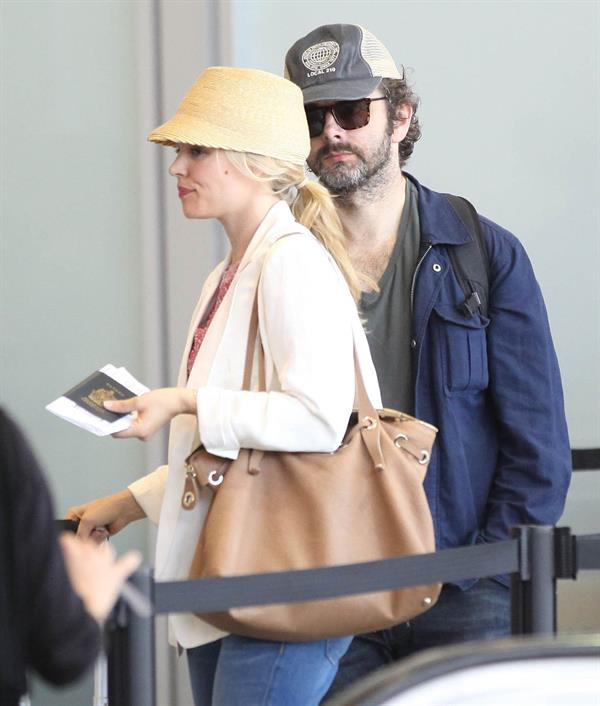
[(213, 409), (149, 492)]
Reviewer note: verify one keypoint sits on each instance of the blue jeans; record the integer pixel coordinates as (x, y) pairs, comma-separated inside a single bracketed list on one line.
[(241, 671), (481, 612)]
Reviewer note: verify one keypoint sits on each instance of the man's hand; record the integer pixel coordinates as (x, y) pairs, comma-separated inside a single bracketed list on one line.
[(154, 410), (110, 513)]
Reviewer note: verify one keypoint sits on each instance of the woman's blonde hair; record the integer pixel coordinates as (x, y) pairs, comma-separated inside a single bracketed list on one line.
[(311, 205)]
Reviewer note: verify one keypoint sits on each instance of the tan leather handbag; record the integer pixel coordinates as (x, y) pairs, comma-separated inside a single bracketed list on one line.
[(276, 511)]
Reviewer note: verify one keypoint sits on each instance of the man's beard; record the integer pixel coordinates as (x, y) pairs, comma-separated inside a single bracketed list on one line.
[(343, 179)]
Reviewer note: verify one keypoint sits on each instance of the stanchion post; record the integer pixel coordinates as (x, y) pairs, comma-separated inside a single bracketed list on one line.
[(533, 588), (115, 638), (101, 682), (130, 650), (142, 689)]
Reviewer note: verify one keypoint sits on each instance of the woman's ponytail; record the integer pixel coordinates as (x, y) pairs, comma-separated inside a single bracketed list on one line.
[(311, 204), (313, 207)]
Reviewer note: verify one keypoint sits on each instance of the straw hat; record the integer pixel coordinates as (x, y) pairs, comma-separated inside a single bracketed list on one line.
[(245, 110)]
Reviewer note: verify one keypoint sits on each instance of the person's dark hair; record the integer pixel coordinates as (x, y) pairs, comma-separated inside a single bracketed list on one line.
[(399, 94)]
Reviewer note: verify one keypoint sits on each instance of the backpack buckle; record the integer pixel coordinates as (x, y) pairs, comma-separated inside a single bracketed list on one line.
[(471, 304)]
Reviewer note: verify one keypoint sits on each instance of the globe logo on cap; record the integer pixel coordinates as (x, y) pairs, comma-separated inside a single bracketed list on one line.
[(320, 56)]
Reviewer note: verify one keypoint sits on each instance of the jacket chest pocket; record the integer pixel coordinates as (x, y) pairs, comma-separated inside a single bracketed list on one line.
[(463, 349)]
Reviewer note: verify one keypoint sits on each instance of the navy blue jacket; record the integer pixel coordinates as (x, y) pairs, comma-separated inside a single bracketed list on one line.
[(491, 385)]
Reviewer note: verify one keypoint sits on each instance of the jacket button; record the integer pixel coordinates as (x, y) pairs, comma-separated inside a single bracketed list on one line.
[(437, 268), (413, 343)]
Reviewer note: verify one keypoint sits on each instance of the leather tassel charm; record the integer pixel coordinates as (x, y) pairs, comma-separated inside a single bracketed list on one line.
[(190, 489)]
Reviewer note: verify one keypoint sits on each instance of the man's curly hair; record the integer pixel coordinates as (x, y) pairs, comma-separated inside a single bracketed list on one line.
[(399, 94)]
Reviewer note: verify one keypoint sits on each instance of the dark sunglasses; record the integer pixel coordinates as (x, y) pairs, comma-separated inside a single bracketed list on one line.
[(349, 115)]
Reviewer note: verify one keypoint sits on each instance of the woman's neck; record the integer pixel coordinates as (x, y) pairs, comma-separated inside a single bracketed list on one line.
[(241, 224)]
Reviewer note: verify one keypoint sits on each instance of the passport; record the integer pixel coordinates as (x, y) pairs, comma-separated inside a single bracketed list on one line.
[(82, 404), (94, 390)]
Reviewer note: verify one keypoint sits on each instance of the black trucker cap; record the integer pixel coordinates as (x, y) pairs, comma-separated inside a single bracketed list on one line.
[(339, 62)]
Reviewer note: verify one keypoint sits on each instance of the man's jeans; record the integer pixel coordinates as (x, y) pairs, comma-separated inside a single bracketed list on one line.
[(241, 671), (479, 613)]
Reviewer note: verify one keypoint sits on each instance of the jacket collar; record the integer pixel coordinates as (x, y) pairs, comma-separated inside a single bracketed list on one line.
[(278, 219), (440, 224)]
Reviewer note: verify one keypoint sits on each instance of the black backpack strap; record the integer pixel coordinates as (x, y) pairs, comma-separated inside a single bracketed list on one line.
[(470, 261)]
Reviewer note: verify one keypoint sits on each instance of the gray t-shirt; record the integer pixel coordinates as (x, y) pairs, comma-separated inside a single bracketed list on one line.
[(388, 312)]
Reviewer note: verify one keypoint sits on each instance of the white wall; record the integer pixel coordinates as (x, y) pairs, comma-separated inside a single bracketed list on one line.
[(70, 293)]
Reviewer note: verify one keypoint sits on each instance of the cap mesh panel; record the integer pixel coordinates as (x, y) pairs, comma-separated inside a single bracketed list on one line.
[(377, 56)]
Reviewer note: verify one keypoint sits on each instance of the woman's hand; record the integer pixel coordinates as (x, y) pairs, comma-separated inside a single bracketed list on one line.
[(154, 410), (95, 573), (105, 515)]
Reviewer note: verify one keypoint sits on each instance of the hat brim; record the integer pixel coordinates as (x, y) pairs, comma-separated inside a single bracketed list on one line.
[(341, 90), (192, 130)]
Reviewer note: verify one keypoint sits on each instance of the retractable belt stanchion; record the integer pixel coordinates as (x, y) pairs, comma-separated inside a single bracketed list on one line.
[(533, 587), (101, 682), (535, 557), (130, 653), (545, 555)]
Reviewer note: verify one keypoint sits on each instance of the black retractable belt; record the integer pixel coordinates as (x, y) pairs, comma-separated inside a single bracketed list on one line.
[(586, 459), (209, 595), (588, 551)]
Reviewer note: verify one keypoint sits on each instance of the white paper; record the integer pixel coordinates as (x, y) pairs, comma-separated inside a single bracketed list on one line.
[(71, 412)]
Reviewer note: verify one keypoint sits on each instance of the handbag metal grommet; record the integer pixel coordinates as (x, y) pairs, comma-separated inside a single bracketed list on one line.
[(370, 423), (425, 456), (399, 439), (427, 600), (215, 478)]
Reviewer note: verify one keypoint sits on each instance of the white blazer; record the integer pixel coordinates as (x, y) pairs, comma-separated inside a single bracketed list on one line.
[(308, 323)]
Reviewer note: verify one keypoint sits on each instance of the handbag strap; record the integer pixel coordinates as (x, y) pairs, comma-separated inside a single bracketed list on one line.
[(250, 346), (367, 414)]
